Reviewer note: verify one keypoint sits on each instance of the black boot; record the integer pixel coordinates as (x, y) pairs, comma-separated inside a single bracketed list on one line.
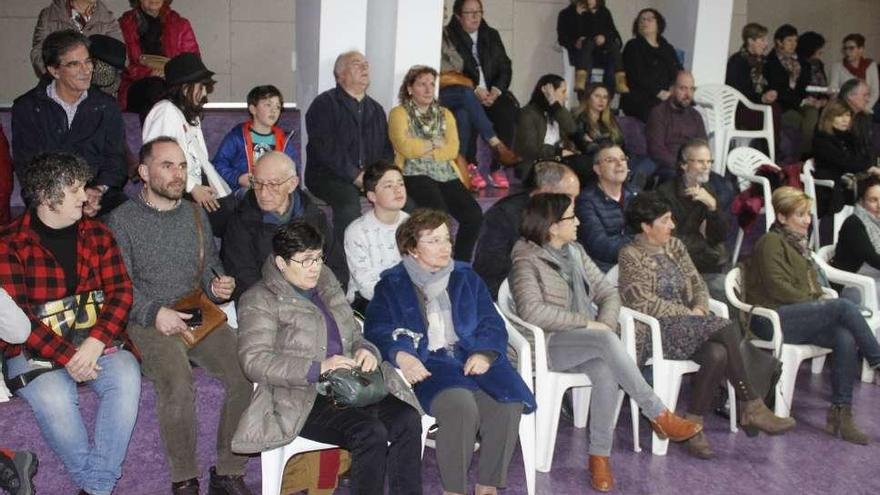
[(16, 472), (227, 485), (185, 487)]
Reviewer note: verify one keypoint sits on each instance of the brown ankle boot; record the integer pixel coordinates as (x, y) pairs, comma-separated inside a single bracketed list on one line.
[(840, 419), (756, 416), (620, 82), (580, 80), (505, 155), (675, 428), (698, 445), (601, 478)]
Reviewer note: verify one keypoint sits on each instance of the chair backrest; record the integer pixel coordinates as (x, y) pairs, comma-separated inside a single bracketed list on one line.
[(733, 288), (521, 345), (722, 99), (826, 253), (507, 308)]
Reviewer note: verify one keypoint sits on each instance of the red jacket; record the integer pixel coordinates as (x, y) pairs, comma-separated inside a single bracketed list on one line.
[(177, 37), (31, 276), (5, 178)]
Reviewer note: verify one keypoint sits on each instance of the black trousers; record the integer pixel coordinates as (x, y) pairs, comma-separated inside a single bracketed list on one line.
[(451, 197), (503, 113), (366, 432), (719, 359), (342, 196)]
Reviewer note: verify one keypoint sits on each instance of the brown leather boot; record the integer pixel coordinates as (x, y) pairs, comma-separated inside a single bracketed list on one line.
[(675, 428), (505, 155), (580, 80), (840, 420), (620, 82), (698, 445), (756, 417), (601, 478)]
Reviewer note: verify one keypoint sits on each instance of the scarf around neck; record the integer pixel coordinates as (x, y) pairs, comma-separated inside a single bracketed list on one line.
[(800, 243), (861, 70), (426, 124), (791, 65), (432, 286), (756, 70), (571, 268), (871, 223)]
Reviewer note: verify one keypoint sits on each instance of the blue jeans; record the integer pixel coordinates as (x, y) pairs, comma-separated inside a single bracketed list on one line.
[(834, 323), (53, 398), (469, 115)]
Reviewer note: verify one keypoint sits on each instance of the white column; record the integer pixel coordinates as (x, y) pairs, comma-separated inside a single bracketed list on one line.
[(324, 29), (702, 29), (400, 34)]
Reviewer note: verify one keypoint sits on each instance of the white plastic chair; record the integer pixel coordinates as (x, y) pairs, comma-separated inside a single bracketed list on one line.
[(791, 355), (865, 285), (719, 102), (549, 387), (272, 462), (743, 162), (810, 184), (568, 75), (667, 373)]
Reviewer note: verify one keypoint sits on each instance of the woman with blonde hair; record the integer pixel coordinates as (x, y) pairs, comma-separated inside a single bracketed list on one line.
[(782, 275), (425, 140)]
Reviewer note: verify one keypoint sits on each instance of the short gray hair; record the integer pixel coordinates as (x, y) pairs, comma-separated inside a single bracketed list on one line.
[(342, 62), (549, 174)]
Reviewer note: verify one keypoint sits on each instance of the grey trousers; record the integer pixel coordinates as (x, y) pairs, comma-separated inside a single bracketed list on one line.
[(166, 362), (601, 355), (460, 414)]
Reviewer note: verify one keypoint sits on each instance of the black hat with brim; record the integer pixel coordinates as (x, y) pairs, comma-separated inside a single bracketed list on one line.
[(186, 68)]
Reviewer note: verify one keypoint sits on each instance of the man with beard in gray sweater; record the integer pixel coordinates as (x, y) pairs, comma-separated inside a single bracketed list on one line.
[(157, 233)]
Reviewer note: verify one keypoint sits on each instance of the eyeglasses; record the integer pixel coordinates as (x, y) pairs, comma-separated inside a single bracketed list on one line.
[(570, 217), (275, 186), (78, 64), (614, 160), (472, 13), (701, 162), (849, 47), (435, 241), (310, 262)]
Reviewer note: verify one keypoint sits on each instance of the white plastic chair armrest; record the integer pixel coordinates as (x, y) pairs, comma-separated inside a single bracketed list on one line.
[(627, 332), (718, 308), (864, 284), (656, 337), (828, 293), (824, 183)]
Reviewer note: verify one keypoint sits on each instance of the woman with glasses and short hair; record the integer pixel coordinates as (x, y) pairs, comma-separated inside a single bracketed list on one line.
[(433, 318), (295, 325), (856, 66)]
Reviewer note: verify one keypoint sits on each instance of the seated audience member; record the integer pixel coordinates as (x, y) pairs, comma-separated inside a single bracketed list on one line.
[(63, 113), (370, 246), (554, 285), (88, 17), (651, 65), (153, 33), (856, 94), (586, 30), (486, 64), (701, 221), (168, 249), (433, 318), (6, 179), (856, 66), (457, 94), (600, 206), (658, 278), (545, 129), (247, 142), (16, 468), (347, 131), (781, 275), (108, 57), (809, 47), (500, 229), (280, 312), (788, 75), (595, 122), (54, 258), (858, 245), (837, 152), (179, 116), (673, 123), (273, 200), (425, 144)]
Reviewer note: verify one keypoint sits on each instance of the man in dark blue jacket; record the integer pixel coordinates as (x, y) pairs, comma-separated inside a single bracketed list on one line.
[(347, 130), (64, 113)]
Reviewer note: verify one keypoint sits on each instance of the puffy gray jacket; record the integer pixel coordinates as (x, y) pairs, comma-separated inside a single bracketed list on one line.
[(281, 334)]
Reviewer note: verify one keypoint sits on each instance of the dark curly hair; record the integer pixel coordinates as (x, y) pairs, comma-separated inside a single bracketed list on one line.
[(47, 175), (421, 219), (645, 208), (374, 172), (297, 236)]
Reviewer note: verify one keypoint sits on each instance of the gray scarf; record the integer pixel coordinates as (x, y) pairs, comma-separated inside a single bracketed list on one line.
[(571, 267), (872, 225), (438, 308)]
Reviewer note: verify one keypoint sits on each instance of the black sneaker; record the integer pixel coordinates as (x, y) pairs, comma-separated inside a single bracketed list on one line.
[(185, 487), (17, 472), (227, 485)]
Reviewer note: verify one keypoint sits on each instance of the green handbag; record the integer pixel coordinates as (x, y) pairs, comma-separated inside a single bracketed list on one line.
[(352, 387)]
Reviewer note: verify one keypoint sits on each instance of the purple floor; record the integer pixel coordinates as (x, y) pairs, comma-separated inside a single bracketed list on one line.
[(805, 461)]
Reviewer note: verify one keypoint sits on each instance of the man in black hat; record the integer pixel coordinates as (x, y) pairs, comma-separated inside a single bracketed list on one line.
[(65, 113), (179, 116)]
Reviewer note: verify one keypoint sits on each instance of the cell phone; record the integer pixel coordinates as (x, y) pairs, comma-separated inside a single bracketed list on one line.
[(196, 319)]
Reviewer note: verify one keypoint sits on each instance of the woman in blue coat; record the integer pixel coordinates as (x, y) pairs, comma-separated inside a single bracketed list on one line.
[(434, 319)]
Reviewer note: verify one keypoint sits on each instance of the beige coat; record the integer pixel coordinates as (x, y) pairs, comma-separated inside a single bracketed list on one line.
[(55, 17), (543, 298), (280, 335)]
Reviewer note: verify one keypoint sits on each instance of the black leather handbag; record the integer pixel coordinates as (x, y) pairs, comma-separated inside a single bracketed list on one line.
[(762, 368), (351, 387)]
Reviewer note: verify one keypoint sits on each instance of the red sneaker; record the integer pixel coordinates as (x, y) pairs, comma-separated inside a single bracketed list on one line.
[(476, 178), (498, 179)]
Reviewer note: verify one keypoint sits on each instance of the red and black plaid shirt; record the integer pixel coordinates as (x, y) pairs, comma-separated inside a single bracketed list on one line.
[(32, 276)]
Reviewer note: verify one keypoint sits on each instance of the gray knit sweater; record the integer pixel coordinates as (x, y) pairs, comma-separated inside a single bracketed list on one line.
[(161, 255)]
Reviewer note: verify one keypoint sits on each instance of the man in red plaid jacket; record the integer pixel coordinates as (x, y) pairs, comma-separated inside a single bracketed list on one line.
[(48, 255)]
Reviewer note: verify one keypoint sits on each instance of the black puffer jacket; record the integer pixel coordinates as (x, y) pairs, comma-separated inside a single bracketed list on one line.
[(570, 26), (493, 58)]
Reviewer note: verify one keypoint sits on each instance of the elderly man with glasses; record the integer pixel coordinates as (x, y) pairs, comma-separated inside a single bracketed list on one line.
[(274, 200)]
